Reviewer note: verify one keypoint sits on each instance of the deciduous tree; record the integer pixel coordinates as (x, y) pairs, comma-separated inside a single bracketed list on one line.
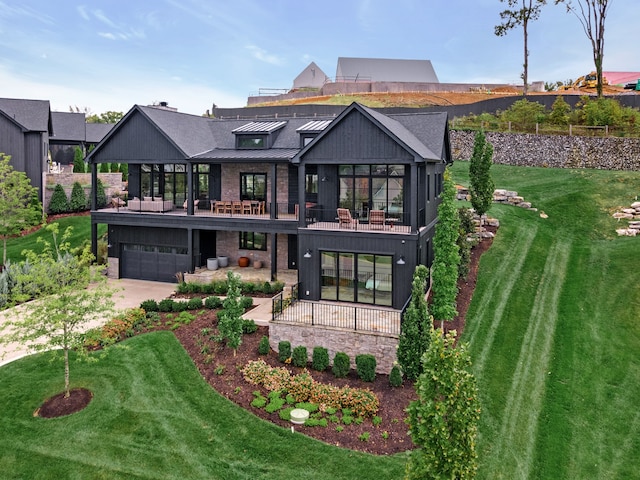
[(416, 327), (444, 272), (443, 422), (520, 13), (592, 15), (230, 317), (66, 306), (16, 210)]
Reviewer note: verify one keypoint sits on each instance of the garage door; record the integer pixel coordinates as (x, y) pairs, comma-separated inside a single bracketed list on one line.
[(149, 262)]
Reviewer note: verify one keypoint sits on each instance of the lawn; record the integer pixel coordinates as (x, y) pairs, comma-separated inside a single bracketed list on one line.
[(154, 417), (81, 233), (554, 337), (553, 329)]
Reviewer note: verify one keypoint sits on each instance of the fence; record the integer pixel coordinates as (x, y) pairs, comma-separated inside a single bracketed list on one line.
[(545, 128)]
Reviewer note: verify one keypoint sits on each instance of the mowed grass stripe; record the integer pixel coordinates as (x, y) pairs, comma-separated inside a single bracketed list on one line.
[(492, 303), (518, 432)]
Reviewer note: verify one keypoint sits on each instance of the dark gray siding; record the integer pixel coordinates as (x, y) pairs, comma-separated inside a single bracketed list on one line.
[(357, 140), (12, 142), (34, 154), (138, 141)]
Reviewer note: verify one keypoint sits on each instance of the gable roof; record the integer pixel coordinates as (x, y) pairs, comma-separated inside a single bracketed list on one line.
[(31, 115), (402, 135), (311, 77), (68, 126), (95, 132), (385, 70)]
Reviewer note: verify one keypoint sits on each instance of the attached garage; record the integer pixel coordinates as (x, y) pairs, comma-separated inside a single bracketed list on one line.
[(152, 262)]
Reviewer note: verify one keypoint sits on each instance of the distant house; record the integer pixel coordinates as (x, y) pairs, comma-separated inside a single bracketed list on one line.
[(385, 70), (35, 137), (25, 129), (310, 77), (350, 202)]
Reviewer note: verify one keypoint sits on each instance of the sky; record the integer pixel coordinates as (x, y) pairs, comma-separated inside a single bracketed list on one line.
[(107, 55)]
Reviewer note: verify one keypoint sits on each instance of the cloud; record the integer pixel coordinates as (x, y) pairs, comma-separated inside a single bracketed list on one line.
[(262, 55), (82, 11), (9, 11)]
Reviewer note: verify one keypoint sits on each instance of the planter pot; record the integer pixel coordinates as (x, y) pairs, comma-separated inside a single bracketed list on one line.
[(243, 261), (223, 261), (257, 264), (212, 263)]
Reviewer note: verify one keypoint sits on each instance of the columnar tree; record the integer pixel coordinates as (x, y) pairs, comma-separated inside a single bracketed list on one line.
[(520, 12), (481, 184), (16, 195), (443, 422), (78, 200), (78, 161), (230, 317), (58, 319), (592, 15), (444, 271), (416, 327)]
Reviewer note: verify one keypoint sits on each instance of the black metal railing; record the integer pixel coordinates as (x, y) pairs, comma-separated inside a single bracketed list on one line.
[(351, 317)]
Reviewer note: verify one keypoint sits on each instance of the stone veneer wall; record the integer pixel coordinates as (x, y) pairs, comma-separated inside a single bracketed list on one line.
[(112, 183), (382, 347), (558, 151)]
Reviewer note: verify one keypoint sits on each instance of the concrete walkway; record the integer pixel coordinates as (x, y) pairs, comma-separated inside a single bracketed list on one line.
[(129, 294)]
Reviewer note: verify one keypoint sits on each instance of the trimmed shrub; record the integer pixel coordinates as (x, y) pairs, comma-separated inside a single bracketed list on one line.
[(395, 377), (213, 302), (341, 365), (320, 360), (165, 305), (59, 202), (299, 356), (102, 198), (194, 303), (263, 346), (149, 305), (246, 302), (78, 201), (366, 367), (179, 306), (267, 288), (284, 351), (249, 326)]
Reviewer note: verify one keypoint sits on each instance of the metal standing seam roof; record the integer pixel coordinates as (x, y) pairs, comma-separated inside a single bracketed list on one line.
[(314, 126), (284, 154), (259, 127)]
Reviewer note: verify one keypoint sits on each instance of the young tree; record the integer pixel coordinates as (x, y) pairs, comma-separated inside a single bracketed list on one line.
[(16, 195), (592, 15), (58, 318), (230, 317), (520, 12), (444, 271), (481, 184), (443, 422), (416, 327), (59, 202), (467, 227)]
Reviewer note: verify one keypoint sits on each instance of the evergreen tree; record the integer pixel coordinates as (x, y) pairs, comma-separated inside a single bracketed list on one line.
[(415, 328), (102, 197), (59, 202), (467, 227), (481, 184), (78, 201), (124, 168), (443, 422), (78, 161), (104, 168), (446, 256), (230, 317)]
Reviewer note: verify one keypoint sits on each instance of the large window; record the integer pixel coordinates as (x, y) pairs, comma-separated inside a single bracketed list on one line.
[(253, 241), (362, 278), (253, 186), (372, 187)]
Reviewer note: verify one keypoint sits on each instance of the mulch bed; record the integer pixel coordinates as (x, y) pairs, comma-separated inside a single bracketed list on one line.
[(221, 369)]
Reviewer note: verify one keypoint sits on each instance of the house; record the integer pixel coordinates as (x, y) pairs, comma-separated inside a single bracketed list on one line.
[(275, 189), (385, 70), (311, 77), (25, 128)]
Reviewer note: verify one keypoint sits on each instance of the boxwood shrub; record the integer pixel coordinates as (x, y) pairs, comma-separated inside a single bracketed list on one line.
[(320, 359), (263, 346), (366, 367), (149, 305), (341, 365), (299, 356), (284, 350)]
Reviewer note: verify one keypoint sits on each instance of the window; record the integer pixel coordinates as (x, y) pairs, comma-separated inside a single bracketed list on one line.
[(253, 186), (253, 241), (247, 141), (311, 183)]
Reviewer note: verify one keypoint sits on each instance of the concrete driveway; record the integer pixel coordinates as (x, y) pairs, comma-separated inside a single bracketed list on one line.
[(129, 294)]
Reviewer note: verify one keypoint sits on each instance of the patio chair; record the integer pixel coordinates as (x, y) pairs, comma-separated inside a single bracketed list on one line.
[(345, 219), (376, 219), (246, 207)]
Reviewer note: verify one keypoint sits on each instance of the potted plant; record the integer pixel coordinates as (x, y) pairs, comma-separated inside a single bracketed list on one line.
[(243, 260)]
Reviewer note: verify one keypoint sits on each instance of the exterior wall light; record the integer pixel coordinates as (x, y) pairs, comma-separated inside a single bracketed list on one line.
[(307, 254), (401, 260)]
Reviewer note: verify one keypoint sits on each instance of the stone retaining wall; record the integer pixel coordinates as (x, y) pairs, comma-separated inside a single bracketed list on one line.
[(558, 151), (353, 343), (112, 183)]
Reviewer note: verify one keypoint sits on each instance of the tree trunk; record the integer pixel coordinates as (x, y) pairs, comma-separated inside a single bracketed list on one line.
[(66, 364), (525, 73)]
